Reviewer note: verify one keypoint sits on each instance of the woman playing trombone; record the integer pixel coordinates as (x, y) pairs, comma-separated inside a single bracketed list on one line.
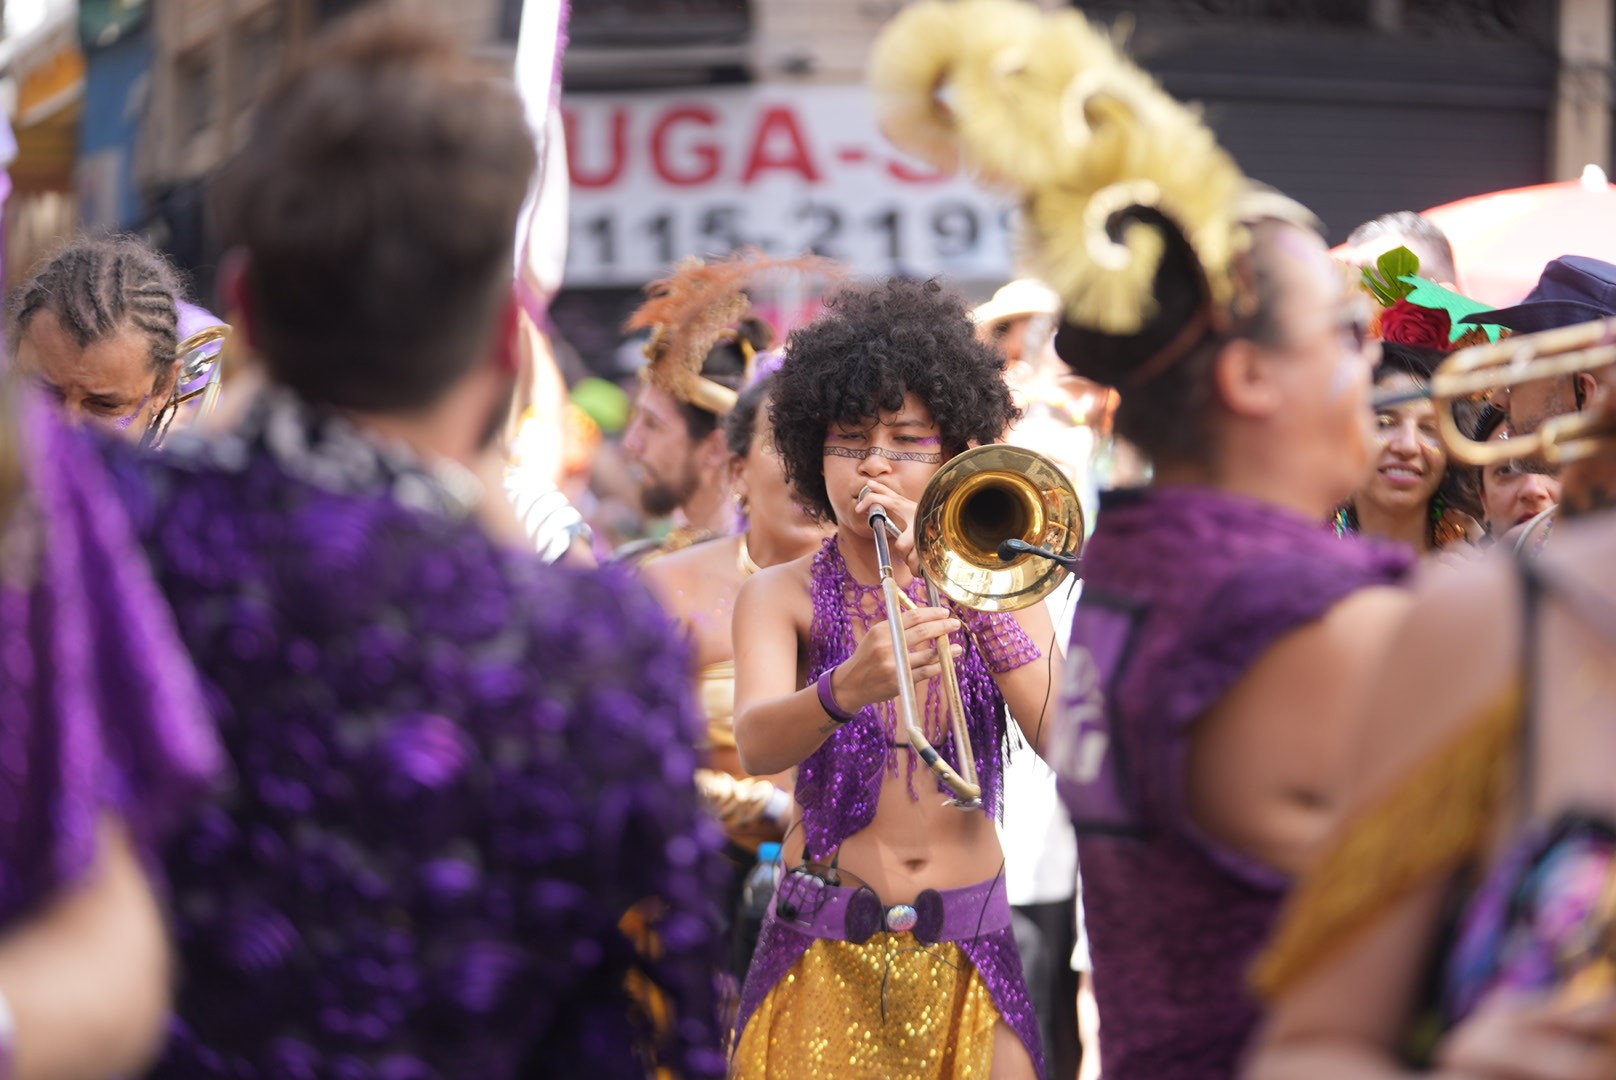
[(891, 917)]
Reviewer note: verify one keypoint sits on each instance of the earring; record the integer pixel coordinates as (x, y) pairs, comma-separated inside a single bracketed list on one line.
[(740, 501)]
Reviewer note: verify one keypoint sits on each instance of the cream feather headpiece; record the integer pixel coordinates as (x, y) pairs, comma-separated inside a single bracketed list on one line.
[(1045, 105)]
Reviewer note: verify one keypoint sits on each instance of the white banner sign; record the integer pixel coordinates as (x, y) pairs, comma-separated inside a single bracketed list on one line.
[(659, 176)]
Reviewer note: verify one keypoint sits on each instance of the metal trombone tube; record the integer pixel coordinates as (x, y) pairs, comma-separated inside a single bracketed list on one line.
[(966, 795), (956, 704), (1525, 358)]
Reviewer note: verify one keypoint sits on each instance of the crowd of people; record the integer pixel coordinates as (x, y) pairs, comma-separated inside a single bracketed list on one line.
[(328, 751)]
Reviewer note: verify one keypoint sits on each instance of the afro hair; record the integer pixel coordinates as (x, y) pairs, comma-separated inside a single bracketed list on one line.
[(870, 346)]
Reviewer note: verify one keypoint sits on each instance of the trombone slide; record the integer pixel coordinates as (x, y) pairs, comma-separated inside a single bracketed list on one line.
[(967, 795)]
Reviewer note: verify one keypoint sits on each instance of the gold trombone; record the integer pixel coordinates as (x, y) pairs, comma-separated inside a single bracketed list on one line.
[(200, 379), (198, 359), (998, 528), (1482, 369)]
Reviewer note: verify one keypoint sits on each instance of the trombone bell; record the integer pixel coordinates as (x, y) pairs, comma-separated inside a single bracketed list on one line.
[(978, 500)]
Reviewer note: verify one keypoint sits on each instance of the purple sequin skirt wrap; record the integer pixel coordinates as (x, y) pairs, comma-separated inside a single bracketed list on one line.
[(975, 918)]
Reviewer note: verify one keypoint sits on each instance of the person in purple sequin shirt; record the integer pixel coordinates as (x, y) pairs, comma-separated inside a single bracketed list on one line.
[(104, 748), (875, 395), (462, 837), (1224, 638)]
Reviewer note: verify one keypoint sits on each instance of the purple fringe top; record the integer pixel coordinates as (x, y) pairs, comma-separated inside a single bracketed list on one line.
[(1184, 589), (100, 712), (839, 784)]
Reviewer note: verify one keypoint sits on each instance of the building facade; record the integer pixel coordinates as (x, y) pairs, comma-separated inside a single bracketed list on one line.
[(697, 126)]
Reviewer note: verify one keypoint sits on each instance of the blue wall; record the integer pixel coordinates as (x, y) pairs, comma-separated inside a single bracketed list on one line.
[(110, 126)]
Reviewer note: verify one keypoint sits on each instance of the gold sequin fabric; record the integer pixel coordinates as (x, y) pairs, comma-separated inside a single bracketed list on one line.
[(717, 691), (889, 1009)]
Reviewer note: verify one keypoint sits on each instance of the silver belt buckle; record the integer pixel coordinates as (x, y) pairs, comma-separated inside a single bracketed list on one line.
[(901, 917)]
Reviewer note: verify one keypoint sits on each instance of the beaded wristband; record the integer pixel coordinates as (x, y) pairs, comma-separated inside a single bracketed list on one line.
[(827, 699), (1004, 643)]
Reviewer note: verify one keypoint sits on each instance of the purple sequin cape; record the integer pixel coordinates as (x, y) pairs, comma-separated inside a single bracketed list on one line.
[(839, 785), (99, 709), (1184, 589), (457, 769)]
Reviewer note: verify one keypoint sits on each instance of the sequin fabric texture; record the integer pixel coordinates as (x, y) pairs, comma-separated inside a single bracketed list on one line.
[(456, 769), (938, 1022), (839, 784), (1536, 917), (1174, 917), (783, 1015), (100, 712)]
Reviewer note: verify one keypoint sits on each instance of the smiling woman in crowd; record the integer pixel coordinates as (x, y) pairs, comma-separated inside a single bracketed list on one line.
[(1411, 495)]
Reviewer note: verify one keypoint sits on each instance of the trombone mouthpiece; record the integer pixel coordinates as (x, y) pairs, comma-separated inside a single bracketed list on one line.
[(880, 519)]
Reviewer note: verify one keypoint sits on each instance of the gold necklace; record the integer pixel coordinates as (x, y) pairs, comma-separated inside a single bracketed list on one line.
[(744, 561)]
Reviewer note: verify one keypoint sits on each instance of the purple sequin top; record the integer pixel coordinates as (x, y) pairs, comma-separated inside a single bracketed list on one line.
[(457, 768), (1535, 918), (1184, 589), (839, 784), (100, 712)]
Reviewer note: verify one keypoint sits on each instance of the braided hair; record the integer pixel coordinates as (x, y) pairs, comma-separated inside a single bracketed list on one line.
[(99, 287)]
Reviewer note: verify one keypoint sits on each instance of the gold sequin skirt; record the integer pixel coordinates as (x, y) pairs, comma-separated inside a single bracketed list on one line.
[(889, 1009)]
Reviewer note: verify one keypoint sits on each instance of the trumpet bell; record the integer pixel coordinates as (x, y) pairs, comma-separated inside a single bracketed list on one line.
[(978, 500)]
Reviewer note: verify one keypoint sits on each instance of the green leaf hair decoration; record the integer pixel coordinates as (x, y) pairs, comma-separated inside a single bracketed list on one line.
[(1387, 279), (1428, 294)]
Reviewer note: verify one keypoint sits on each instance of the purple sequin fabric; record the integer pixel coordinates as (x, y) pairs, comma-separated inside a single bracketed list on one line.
[(839, 784), (1535, 918), (100, 713), (1184, 589), (457, 769)]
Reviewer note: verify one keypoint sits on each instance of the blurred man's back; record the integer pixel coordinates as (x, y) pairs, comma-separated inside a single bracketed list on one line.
[(456, 769)]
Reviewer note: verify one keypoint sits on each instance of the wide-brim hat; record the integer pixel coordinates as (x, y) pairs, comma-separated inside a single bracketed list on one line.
[(1572, 289), (1020, 299)]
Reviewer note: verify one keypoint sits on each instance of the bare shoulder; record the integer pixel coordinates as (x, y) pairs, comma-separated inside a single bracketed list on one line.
[(695, 560), (674, 576), (785, 586), (1451, 657), (1586, 543), (1343, 644), (1365, 616)]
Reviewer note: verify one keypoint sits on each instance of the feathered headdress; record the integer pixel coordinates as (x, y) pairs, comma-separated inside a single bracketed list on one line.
[(1046, 106), (698, 307)]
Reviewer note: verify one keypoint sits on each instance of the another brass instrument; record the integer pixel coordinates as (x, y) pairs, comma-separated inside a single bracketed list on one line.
[(974, 504), (199, 358), (197, 386), (1477, 371)]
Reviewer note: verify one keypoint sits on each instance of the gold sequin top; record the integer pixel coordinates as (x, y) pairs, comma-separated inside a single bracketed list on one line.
[(716, 689)]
